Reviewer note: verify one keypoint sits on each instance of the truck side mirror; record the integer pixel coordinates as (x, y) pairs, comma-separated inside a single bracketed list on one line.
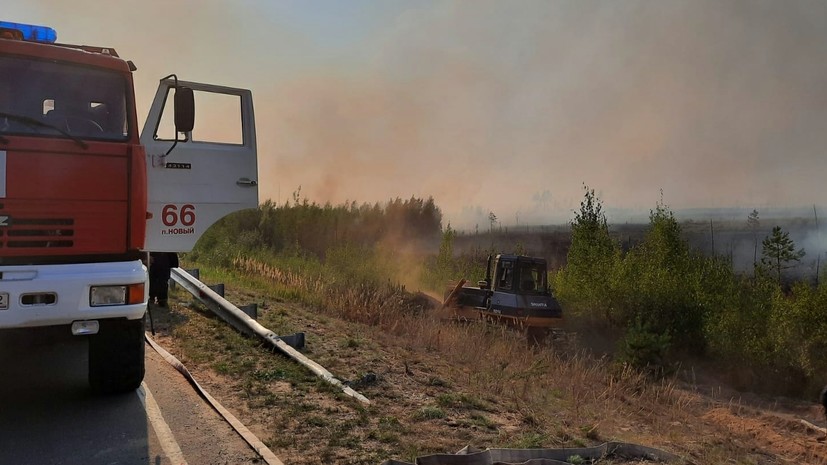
[(184, 109)]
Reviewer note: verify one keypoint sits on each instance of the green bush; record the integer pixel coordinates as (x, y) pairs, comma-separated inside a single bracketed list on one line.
[(643, 348), (737, 328), (444, 268), (798, 330), (660, 283), (592, 258)]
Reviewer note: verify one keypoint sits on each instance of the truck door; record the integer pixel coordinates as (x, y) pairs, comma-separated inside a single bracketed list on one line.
[(210, 173)]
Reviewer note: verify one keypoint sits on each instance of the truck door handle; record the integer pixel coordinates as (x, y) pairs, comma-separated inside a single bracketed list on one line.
[(246, 182)]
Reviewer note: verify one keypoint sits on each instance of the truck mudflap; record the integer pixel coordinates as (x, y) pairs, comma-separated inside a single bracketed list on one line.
[(50, 295)]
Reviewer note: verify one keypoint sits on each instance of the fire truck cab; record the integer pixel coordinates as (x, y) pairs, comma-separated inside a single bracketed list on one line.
[(84, 197)]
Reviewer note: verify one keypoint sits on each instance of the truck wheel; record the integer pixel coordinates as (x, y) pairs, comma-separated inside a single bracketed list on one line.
[(116, 356)]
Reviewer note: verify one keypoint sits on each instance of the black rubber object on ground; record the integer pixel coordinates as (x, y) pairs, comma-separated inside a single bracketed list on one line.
[(615, 450)]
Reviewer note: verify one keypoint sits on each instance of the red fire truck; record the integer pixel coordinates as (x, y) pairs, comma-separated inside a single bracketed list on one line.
[(83, 197)]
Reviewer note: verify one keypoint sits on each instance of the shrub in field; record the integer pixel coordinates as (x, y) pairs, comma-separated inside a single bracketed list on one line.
[(778, 253), (445, 268), (344, 256), (781, 335), (660, 283), (583, 284), (798, 329), (666, 295), (738, 320), (643, 348), (439, 270)]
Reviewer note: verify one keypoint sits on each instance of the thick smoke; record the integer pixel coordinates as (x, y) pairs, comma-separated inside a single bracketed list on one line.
[(487, 105)]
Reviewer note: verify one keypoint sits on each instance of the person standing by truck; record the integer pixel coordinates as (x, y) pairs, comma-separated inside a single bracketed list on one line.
[(160, 264)]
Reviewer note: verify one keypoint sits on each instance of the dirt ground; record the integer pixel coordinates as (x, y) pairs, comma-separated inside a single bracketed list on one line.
[(423, 402)]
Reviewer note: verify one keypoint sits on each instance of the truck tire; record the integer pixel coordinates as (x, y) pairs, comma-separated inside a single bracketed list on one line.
[(116, 356)]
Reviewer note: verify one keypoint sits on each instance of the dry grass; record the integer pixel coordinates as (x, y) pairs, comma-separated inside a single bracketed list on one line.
[(442, 386), (499, 364)]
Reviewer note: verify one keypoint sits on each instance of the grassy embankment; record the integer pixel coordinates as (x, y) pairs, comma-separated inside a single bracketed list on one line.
[(440, 386)]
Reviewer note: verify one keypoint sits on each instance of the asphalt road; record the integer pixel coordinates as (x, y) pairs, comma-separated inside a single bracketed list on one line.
[(48, 415)]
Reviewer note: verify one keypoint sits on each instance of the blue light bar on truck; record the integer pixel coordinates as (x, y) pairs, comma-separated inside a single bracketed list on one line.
[(32, 32)]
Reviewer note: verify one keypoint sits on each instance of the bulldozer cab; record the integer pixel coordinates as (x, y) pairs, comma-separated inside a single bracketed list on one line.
[(516, 274)]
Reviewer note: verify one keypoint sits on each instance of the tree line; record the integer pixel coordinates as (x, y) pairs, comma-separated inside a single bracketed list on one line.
[(302, 227)]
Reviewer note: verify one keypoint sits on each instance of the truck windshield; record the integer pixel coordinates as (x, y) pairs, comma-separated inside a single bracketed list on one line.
[(42, 98)]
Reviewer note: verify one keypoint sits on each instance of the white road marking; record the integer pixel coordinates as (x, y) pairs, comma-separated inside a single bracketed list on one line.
[(162, 431)]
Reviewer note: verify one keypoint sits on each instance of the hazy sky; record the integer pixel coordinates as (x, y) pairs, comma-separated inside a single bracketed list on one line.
[(507, 106)]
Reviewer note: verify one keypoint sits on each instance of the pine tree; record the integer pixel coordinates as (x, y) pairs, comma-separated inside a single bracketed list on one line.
[(779, 252), (590, 258), (754, 222)]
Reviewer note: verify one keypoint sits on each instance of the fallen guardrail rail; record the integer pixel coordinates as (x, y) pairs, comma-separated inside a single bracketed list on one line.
[(246, 325)]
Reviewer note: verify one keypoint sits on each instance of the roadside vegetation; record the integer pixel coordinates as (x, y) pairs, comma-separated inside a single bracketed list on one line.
[(351, 260), (664, 302), (672, 302), (345, 274)]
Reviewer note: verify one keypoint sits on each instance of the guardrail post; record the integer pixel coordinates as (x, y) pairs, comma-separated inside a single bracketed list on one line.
[(217, 288), (250, 310), (295, 341)]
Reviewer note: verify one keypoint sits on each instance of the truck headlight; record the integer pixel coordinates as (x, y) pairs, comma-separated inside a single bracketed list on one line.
[(101, 296)]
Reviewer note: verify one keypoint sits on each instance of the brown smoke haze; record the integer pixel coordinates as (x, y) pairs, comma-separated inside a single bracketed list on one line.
[(489, 103), (511, 106)]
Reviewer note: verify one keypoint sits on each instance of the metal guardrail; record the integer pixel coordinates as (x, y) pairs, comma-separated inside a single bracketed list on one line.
[(244, 324)]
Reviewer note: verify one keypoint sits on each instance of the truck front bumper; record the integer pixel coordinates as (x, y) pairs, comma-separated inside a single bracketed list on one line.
[(50, 295)]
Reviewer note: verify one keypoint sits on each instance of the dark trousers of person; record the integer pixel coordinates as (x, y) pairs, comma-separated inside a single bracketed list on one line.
[(159, 287)]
